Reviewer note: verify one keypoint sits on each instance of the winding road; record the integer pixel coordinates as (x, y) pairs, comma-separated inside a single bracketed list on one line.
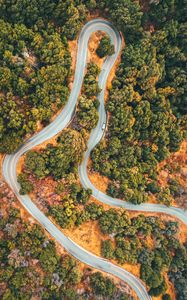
[(95, 136), (10, 161)]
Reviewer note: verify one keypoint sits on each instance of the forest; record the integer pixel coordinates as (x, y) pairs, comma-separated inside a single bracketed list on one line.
[(86, 117), (34, 71), (147, 102), (147, 122), (31, 266), (147, 241)]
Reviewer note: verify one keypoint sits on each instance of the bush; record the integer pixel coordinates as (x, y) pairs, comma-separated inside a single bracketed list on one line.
[(105, 47), (166, 297), (153, 187), (26, 185)]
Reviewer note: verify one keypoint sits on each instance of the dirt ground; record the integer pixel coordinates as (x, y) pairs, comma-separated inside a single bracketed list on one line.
[(88, 235), (99, 181), (92, 47), (5, 203), (1, 161), (175, 167)]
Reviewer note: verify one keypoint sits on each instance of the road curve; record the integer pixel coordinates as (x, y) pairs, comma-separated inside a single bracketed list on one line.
[(10, 161), (95, 137)]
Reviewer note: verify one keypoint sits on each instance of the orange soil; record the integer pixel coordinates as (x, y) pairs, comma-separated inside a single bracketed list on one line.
[(1, 161), (73, 52), (20, 164), (170, 289), (92, 47), (89, 237), (84, 236), (113, 71), (177, 162), (178, 158), (182, 227), (99, 181)]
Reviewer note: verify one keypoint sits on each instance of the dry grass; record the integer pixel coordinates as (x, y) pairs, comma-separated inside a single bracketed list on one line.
[(92, 47), (99, 181), (1, 161), (175, 167)]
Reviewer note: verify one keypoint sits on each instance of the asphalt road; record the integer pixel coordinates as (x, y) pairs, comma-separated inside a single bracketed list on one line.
[(10, 161), (95, 137)]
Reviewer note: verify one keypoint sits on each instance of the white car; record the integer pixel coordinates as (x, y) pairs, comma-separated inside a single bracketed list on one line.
[(103, 126)]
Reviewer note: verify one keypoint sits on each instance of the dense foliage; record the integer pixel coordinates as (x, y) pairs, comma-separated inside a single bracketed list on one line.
[(106, 288), (147, 109), (146, 103), (29, 263), (70, 211), (34, 63), (105, 47), (67, 14), (145, 241), (58, 160), (125, 14), (26, 186), (61, 163), (87, 114), (34, 69), (31, 267)]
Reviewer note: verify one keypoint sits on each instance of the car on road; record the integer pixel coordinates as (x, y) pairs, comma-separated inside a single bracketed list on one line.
[(103, 126)]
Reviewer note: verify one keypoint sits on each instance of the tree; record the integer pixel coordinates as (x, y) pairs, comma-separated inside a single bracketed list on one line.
[(70, 16), (26, 186), (158, 290), (90, 86), (9, 143), (67, 155), (90, 4), (165, 197), (153, 187), (126, 15), (87, 114), (174, 187), (95, 211), (166, 297), (105, 47), (102, 286), (65, 214), (113, 221), (79, 194), (107, 249), (59, 188)]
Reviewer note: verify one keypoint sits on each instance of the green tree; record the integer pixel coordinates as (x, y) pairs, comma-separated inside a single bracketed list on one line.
[(105, 47), (102, 286), (26, 186), (107, 249)]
